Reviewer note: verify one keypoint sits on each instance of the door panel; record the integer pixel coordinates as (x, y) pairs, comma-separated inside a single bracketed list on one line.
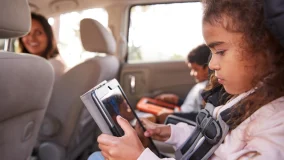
[(150, 79)]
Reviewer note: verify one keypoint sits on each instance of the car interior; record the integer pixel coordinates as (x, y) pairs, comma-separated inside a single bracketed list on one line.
[(46, 115), (134, 41)]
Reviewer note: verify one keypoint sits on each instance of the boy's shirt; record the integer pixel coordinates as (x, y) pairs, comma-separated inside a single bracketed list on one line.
[(193, 101)]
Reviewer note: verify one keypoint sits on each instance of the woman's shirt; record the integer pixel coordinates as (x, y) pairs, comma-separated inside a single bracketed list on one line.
[(259, 137), (58, 65)]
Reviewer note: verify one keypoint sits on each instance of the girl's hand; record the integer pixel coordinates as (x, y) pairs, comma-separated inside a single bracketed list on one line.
[(158, 132), (121, 148)]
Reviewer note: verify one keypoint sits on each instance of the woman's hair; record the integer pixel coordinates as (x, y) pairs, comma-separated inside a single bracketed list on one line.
[(247, 17), (199, 55), (51, 49)]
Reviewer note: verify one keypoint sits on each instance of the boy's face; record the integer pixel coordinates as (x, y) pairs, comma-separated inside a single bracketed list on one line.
[(199, 72), (233, 70)]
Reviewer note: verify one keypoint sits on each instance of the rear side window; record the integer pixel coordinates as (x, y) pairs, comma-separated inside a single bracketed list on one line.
[(69, 41), (164, 32), (66, 29), (2, 42)]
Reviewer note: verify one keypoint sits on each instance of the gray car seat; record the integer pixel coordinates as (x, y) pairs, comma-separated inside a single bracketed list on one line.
[(26, 83), (68, 128)]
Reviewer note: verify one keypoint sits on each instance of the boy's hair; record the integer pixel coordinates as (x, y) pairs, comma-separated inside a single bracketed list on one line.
[(257, 43), (199, 55)]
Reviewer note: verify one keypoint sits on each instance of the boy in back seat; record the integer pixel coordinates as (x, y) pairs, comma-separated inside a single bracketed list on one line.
[(197, 61)]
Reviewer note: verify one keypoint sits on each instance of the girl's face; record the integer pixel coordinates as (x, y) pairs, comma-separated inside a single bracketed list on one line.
[(36, 41), (233, 70)]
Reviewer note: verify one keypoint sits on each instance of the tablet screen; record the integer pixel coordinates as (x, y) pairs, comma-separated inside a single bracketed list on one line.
[(116, 104)]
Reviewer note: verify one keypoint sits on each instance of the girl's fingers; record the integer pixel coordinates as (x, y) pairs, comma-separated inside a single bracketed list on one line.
[(107, 139)]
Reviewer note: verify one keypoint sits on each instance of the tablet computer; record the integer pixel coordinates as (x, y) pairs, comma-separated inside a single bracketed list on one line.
[(111, 101)]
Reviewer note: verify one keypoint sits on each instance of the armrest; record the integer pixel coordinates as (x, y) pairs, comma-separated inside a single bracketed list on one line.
[(172, 119)]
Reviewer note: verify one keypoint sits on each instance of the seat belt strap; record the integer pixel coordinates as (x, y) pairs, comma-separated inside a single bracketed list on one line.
[(206, 149), (208, 134)]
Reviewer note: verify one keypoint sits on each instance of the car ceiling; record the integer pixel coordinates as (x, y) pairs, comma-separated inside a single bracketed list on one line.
[(54, 7)]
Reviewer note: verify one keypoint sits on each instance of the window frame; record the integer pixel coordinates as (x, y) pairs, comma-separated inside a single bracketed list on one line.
[(126, 60)]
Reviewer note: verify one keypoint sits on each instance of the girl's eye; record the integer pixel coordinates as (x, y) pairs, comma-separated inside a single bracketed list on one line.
[(220, 52)]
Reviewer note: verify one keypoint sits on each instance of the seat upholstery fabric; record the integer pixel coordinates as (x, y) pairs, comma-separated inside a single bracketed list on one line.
[(26, 83), (25, 87), (68, 128)]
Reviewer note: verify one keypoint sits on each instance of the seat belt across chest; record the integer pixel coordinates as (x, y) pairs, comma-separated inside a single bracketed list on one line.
[(210, 131)]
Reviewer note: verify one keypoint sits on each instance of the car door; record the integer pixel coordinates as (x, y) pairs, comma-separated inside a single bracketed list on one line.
[(159, 38), (151, 79)]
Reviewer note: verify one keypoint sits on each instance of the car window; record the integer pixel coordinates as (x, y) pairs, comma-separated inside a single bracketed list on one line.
[(164, 32), (2, 42), (68, 33)]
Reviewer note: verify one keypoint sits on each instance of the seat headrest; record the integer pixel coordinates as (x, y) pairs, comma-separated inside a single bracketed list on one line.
[(96, 38), (15, 19), (274, 14)]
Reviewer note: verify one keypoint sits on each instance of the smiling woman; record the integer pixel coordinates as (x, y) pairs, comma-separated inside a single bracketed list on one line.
[(40, 41)]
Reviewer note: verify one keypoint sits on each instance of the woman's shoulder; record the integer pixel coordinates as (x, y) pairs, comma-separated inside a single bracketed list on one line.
[(58, 65), (56, 58), (57, 62)]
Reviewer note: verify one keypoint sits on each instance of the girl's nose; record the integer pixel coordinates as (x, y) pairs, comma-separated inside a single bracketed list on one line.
[(214, 63)]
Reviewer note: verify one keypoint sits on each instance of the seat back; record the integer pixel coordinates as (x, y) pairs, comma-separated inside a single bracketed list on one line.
[(68, 127), (274, 18), (25, 86)]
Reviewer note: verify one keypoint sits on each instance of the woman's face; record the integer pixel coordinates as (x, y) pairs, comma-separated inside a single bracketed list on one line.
[(233, 70), (36, 41)]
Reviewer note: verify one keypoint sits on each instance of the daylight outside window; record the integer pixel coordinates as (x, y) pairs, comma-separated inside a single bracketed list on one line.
[(69, 41), (164, 32), (2, 43)]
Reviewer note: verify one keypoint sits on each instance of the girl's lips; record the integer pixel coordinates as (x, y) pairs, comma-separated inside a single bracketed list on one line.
[(221, 81)]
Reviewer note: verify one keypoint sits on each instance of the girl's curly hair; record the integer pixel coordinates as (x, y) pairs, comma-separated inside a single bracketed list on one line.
[(247, 17)]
